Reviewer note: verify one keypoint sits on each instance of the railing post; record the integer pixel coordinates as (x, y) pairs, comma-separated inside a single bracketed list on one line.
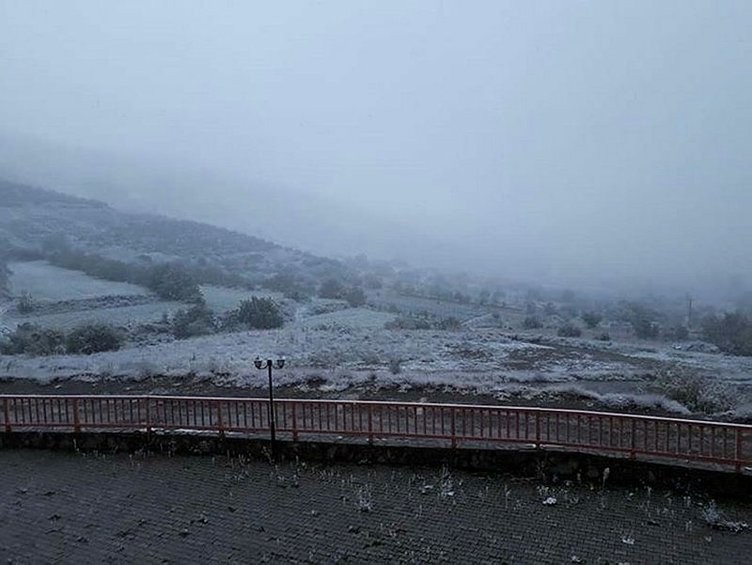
[(632, 453), (220, 426), (537, 430), (294, 422), (148, 414), (738, 456), (370, 424), (6, 414), (454, 437), (76, 419)]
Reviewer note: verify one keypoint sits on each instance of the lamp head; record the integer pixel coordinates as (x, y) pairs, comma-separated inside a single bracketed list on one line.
[(259, 364), (280, 363)]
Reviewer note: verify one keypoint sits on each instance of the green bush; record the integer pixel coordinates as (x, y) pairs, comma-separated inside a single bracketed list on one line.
[(409, 323), (591, 319), (292, 286), (25, 304), (332, 288), (450, 324), (395, 366), (642, 318), (679, 333), (569, 330), (33, 340), (259, 313), (645, 329), (193, 322), (732, 333), (93, 338), (355, 296), (172, 282), (697, 393)]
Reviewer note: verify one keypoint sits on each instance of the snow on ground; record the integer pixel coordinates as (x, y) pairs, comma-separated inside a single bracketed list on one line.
[(357, 318), (221, 299), (341, 347), (466, 359), (124, 316), (46, 282), (730, 368), (326, 350)]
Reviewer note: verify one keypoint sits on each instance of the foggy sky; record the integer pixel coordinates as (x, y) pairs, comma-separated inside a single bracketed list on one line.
[(559, 140)]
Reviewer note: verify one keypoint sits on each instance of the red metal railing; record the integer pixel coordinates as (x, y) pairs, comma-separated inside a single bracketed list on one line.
[(681, 441)]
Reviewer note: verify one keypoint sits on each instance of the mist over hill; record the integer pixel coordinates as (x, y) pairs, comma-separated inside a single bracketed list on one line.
[(297, 218), (327, 226), (588, 145)]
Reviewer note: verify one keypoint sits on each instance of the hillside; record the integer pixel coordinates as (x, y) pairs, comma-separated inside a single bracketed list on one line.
[(35, 219), (29, 216), (355, 327)]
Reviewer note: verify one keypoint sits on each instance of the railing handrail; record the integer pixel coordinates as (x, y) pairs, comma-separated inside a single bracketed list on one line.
[(387, 403), (681, 440)]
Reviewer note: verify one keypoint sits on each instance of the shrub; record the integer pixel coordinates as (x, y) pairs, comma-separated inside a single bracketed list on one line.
[(395, 366), (531, 323), (355, 296), (409, 323), (33, 340), (171, 282), (195, 321), (373, 282), (569, 330), (732, 333), (331, 288), (642, 320), (93, 338), (289, 285), (645, 329), (697, 393), (325, 359), (679, 333), (603, 337), (259, 313), (25, 304), (592, 319), (449, 324)]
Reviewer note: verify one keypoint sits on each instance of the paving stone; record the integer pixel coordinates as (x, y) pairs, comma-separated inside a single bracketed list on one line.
[(81, 508)]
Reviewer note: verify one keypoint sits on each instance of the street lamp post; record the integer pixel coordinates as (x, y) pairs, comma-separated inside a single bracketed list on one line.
[(269, 364)]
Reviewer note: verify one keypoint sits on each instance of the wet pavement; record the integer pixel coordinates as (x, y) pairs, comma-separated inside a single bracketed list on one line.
[(80, 508)]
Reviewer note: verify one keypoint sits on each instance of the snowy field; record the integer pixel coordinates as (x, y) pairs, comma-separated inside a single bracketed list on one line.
[(123, 317), (221, 299), (341, 358), (343, 349), (416, 305), (46, 282), (354, 318)]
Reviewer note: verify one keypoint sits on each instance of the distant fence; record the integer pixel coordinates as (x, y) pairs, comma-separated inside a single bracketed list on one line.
[(680, 441)]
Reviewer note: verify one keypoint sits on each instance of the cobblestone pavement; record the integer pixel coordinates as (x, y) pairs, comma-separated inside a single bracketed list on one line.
[(82, 508)]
